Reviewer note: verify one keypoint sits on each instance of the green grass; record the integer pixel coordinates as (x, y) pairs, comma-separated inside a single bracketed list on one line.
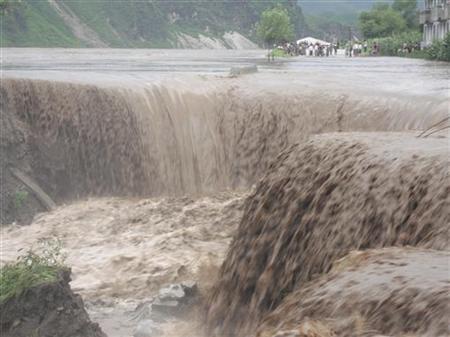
[(35, 23), (15, 278), (280, 53), (31, 269), (20, 196)]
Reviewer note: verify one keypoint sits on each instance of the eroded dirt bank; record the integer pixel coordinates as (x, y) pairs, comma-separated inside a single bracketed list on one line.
[(318, 201), (47, 310)]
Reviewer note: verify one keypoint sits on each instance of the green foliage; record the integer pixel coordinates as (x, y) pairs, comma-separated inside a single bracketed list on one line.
[(19, 198), (35, 23), (393, 45), (439, 50), (381, 21), (408, 10), (275, 26), (31, 269), (280, 53)]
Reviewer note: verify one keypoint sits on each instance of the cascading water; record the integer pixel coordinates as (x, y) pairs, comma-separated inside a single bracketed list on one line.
[(187, 143), (169, 140)]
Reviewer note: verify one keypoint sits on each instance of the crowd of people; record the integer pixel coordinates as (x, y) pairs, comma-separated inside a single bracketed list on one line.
[(353, 48), (363, 48), (410, 47), (309, 49), (357, 48)]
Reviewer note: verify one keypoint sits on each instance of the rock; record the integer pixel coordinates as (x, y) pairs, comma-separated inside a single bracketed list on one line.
[(165, 308), (236, 71), (172, 292), (182, 292), (146, 328), (190, 288), (173, 300)]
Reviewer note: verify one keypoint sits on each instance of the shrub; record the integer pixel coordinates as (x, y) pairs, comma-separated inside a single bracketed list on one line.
[(440, 50), (19, 198), (279, 53), (393, 45), (32, 269)]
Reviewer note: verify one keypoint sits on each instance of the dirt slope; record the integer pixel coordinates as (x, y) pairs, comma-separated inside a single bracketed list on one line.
[(47, 310)]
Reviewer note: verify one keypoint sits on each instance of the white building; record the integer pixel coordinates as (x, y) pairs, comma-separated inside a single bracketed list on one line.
[(435, 20)]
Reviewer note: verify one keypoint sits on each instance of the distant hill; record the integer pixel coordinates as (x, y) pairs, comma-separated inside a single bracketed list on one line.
[(160, 24), (345, 12)]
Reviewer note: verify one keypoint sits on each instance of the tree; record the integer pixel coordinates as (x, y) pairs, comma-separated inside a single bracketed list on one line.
[(408, 10), (381, 21), (275, 26)]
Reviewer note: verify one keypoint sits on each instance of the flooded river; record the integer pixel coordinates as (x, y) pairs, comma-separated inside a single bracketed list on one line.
[(157, 158), (399, 75)]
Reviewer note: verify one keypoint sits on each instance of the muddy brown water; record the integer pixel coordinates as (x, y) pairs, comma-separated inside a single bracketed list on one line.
[(155, 123), (322, 199)]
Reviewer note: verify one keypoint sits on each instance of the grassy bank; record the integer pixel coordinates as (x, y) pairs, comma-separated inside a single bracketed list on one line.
[(31, 269), (280, 53)]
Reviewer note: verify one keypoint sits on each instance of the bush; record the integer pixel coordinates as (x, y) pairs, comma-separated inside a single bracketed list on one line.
[(439, 50), (279, 53), (32, 269), (393, 45), (19, 198)]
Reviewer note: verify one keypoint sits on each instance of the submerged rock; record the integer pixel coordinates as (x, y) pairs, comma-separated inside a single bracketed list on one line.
[(236, 71), (146, 328), (173, 300), (51, 309), (171, 293)]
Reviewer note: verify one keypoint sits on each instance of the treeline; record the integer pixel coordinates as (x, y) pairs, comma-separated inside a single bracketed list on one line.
[(395, 29)]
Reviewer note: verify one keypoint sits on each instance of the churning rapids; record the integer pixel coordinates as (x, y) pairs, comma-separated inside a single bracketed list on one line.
[(289, 195)]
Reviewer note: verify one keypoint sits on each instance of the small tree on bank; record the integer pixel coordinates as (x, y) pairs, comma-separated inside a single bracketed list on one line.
[(274, 27)]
